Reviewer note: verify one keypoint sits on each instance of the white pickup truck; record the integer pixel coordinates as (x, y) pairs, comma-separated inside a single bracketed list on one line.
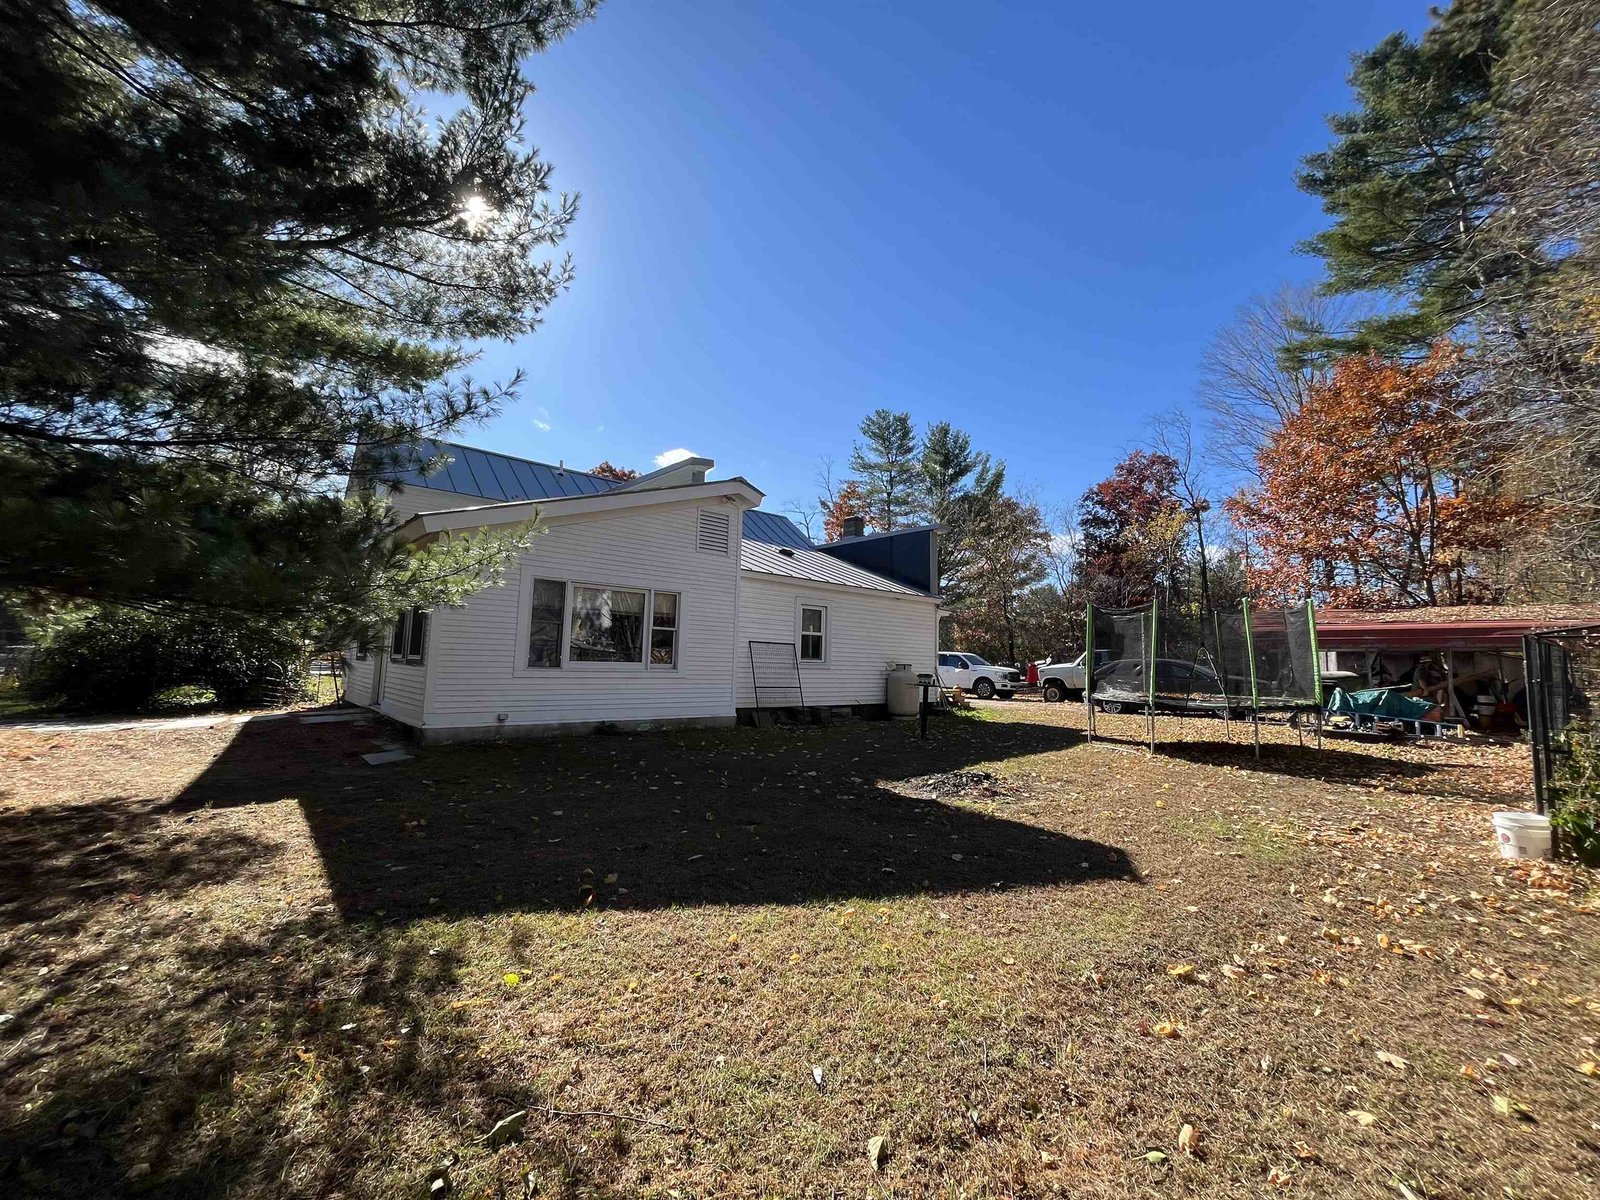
[(1065, 681), (970, 673)]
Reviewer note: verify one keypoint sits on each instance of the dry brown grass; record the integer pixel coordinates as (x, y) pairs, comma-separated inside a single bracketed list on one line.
[(237, 961)]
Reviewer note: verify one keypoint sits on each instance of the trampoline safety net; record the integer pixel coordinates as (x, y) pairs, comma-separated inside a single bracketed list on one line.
[(1238, 660)]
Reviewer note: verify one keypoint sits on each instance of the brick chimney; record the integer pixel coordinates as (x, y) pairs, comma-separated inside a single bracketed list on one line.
[(854, 527)]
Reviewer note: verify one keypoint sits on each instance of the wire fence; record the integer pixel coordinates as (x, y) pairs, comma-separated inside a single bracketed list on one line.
[(1562, 673)]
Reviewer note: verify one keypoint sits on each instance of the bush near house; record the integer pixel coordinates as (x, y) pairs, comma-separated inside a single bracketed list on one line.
[(125, 660)]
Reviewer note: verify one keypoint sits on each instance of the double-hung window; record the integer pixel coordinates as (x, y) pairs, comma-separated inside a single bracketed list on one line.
[(813, 633), (546, 620), (410, 640), (664, 630)]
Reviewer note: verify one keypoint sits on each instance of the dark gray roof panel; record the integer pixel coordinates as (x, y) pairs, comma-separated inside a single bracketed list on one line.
[(499, 477), (774, 530)]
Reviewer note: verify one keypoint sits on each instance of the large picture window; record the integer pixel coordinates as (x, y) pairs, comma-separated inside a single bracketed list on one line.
[(608, 625), (547, 619)]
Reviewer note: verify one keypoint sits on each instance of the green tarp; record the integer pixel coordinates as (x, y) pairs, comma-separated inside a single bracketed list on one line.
[(1378, 702)]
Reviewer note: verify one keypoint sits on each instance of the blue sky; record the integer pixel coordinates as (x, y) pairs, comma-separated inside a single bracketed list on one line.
[(1027, 219)]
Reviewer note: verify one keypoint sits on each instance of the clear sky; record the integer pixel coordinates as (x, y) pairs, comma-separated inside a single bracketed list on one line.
[(1026, 219)]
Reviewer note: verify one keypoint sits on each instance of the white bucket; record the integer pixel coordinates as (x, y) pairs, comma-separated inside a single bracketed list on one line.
[(1522, 834)]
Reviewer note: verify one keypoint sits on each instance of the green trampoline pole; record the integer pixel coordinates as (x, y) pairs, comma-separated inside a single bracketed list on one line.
[(1316, 665), (1150, 671), (1088, 669), (1250, 655)]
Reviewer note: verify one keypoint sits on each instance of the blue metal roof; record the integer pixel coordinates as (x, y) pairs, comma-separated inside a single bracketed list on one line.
[(773, 530), (490, 476)]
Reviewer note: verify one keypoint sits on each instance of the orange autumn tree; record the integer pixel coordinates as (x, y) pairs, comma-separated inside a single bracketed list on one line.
[(1377, 492), (850, 501)]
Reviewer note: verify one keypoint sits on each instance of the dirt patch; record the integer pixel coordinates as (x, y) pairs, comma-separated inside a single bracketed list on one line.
[(239, 962), (973, 785)]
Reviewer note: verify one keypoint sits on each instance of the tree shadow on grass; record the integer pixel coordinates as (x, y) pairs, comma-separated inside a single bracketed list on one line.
[(789, 815), (58, 858), (191, 1041), (1344, 763)]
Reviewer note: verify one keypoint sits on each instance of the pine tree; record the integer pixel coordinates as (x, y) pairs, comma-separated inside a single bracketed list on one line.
[(887, 467), (960, 485), (239, 261), (1409, 183)]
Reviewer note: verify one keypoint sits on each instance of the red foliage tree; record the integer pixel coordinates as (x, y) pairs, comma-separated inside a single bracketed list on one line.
[(1122, 520), (849, 501), (1379, 492), (621, 474)]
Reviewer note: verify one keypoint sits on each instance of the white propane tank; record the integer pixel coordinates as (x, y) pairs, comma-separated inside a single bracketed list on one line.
[(904, 694)]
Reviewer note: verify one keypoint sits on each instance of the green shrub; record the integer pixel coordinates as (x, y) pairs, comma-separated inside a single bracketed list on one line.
[(120, 660), (1575, 792)]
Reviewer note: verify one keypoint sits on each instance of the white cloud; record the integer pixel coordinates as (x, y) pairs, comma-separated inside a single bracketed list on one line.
[(667, 457), (541, 426)]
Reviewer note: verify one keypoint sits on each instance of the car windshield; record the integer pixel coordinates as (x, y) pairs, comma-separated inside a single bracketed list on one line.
[(974, 661)]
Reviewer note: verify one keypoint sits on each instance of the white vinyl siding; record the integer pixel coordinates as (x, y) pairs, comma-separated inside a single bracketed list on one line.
[(477, 653), (866, 631), (358, 675), (403, 686)]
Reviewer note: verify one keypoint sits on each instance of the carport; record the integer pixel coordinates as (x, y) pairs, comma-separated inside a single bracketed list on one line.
[(1468, 657)]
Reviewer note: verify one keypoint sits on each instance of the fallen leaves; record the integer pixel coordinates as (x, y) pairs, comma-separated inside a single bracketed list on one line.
[(1188, 1139), (878, 1152), (1181, 970), (1362, 1117), (1505, 1106), (1392, 1060), (1588, 1067)]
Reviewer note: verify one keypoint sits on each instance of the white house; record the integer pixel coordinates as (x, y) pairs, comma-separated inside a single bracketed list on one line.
[(669, 599)]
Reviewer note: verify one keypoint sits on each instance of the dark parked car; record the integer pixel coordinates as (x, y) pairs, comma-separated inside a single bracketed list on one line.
[(1121, 686)]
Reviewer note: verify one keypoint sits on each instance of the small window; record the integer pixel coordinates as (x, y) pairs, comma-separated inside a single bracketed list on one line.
[(417, 641), (363, 648), (546, 621), (397, 643), (664, 630), (608, 625), (813, 633), (713, 532)]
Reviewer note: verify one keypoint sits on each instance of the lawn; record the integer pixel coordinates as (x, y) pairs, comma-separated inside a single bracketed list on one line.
[(238, 961)]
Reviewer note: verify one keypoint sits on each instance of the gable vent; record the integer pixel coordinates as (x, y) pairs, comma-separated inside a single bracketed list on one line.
[(714, 532)]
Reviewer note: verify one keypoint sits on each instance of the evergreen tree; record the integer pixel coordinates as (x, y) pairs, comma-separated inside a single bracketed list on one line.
[(959, 485), (888, 469), (238, 262), (1408, 181)]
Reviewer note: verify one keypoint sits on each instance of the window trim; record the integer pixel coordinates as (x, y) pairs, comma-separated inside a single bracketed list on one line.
[(800, 606), (403, 626), (676, 627), (530, 578), (401, 635), (519, 661)]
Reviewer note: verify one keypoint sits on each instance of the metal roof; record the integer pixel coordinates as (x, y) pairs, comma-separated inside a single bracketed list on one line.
[(1466, 627), (774, 545), (774, 530), (483, 473)]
